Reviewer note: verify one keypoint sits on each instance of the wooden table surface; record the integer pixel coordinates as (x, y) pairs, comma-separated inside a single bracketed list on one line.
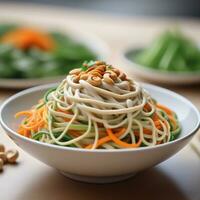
[(177, 178)]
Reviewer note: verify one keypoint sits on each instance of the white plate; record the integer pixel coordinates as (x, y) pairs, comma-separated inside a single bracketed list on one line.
[(100, 165), (93, 42), (179, 78)]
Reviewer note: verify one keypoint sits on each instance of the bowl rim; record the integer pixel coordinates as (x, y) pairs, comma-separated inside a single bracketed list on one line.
[(47, 86), (132, 48)]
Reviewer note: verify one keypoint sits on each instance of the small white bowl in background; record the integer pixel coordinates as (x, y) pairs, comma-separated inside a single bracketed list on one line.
[(157, 76), (100, 166)]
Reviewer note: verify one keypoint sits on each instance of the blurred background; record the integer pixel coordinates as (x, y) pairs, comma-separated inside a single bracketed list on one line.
[(152, 40), (129, 7)]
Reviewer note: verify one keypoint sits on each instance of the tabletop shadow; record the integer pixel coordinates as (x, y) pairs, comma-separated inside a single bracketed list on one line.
[(151, 184)]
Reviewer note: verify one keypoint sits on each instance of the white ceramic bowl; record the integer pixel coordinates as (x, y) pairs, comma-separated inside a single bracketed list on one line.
[(100, 165), (178, 78)]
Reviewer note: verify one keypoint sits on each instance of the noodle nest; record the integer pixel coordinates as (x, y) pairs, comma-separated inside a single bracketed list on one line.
[(98, 106)]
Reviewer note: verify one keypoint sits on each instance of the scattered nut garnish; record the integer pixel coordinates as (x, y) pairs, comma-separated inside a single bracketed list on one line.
[(12, 155), (1, 164), (94, 80), (90, 69), (2, 148), (75, 79), (116, 71), (96, 72), (113, 75), (84, 77), (3, 156), (122, 76), (108, 79), (101, 68), (9, 156), (100, 62), (75, 71)]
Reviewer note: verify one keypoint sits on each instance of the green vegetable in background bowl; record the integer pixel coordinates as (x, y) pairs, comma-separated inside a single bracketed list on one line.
[(171, 51), (30, 53)]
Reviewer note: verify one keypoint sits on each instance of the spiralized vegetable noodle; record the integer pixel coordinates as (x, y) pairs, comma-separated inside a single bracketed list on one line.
[(97, 106)]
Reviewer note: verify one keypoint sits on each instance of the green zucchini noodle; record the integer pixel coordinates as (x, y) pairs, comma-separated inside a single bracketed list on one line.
[(78, 114)]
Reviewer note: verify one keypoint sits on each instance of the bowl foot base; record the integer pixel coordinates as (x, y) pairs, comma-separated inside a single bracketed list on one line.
[(99, 180)]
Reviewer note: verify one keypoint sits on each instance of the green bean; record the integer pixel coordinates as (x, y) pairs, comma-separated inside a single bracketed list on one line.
[(36, 63), (171, 51)]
